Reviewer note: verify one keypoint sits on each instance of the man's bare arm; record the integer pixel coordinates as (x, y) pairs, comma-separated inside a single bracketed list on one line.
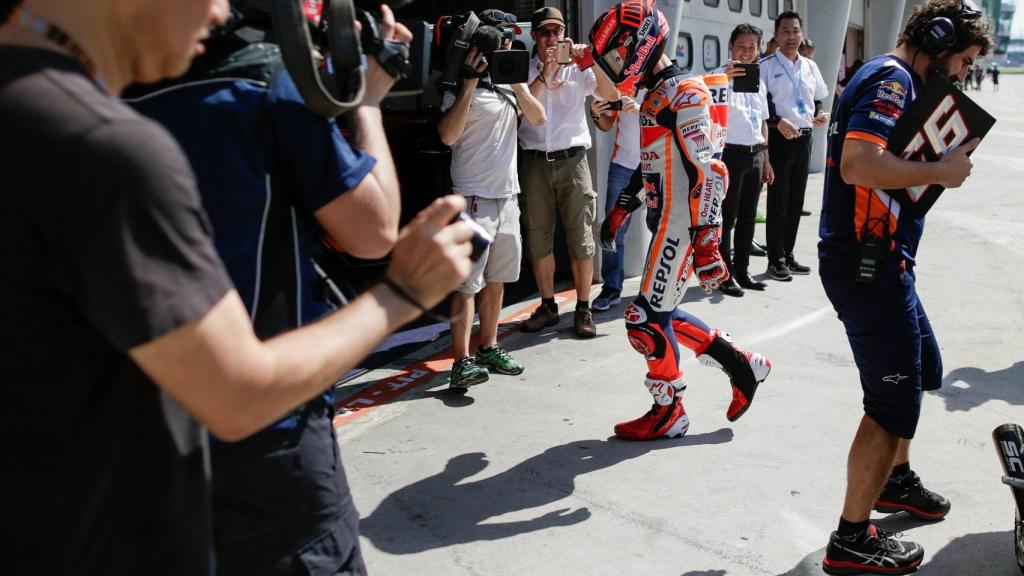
[(453, 121), (606, 89), (236, 385), (869, 164), (364, 220), (531, 107)]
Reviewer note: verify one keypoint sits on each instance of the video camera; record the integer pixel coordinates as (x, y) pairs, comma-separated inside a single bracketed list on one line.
[(324, 54), (454, 36)]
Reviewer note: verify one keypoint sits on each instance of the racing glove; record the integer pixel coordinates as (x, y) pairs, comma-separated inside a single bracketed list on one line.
[(625, 204), (707, 260)]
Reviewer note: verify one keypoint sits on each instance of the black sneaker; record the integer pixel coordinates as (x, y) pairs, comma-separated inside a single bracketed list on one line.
[(779, 272), (879, 552), (796, 267), (908, 495), (606, 299)]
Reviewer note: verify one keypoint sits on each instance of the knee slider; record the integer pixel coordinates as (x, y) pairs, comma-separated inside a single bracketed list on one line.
[(665, 391), (645, 335)]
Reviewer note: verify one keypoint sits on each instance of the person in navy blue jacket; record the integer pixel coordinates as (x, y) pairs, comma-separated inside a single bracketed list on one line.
[(867, 254), (274, 177)]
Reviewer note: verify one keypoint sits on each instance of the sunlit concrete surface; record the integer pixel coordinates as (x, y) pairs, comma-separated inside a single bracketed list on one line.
[(521, 476)]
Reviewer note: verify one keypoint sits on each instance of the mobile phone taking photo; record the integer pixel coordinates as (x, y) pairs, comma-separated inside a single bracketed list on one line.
[(751, 79), (563, 52)]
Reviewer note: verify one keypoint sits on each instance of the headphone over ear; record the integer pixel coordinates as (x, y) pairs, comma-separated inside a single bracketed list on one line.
[(942, 34)]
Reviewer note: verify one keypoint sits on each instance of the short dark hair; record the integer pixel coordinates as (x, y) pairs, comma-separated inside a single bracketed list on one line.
[(745, 29), (970, 31), (788, 15), (807, 43)]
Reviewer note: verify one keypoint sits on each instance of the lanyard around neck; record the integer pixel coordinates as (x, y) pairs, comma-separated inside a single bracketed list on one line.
[(39, 25), (792, 78)]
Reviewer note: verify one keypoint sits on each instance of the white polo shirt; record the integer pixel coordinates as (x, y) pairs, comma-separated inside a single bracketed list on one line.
[(484, 157), (746, 112), (793, 87), (566, 108)]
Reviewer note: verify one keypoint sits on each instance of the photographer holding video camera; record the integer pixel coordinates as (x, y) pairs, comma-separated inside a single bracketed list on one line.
[(275, 176), (132, 338), (479, 123)]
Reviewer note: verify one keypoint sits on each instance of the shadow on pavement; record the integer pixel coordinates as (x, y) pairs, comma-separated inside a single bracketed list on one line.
[(988, 553), (442, 510), (981, 386), (451, 397)]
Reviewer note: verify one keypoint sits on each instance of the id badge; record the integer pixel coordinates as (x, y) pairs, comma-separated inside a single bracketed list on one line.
[(801, 106)]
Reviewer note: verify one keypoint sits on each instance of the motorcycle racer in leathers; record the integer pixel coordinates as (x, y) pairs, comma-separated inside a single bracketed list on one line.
[(683, 184)]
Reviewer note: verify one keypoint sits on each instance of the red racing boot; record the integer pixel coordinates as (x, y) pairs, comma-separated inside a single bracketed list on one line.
[(667, 417), (746, 371)]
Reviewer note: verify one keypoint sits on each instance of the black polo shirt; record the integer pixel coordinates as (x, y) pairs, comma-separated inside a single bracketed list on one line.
[(104, 246)]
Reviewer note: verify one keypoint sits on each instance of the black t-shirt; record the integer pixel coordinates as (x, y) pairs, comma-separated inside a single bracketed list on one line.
[(103, 247)]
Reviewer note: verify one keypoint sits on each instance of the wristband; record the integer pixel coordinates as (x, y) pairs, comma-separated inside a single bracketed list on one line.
[(401, 293)]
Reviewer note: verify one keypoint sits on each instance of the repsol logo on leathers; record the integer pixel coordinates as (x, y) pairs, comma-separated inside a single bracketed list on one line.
[(662, 275)]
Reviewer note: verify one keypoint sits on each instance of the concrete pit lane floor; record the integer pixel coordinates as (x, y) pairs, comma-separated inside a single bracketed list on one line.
[(521, 475)]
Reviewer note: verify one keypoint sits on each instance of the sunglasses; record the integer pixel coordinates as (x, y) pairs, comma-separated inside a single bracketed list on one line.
[(543, 32), (500, 16)]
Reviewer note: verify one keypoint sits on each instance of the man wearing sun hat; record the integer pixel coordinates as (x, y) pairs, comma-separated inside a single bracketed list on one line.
[(554, 173)]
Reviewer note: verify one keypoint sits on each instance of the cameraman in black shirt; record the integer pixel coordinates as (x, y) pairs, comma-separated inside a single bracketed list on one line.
[(111, 284)]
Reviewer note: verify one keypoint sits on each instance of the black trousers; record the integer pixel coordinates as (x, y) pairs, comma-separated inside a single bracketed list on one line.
[(789, 160), (281, 501), (740, 207)]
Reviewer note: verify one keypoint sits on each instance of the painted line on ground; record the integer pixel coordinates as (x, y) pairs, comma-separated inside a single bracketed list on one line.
[(357, 405), (765, 335), (772, 334), (385, 391)]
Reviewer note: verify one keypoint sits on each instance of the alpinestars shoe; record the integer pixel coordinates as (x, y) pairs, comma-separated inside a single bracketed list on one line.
[(908, 495), (747, 371), (670, 421), (878, 553)]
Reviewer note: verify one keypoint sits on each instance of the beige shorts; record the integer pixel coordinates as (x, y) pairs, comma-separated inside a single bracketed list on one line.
[(552, 188), (502, 259)]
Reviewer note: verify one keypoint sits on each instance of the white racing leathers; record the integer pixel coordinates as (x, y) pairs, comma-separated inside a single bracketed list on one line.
[(685, 184)]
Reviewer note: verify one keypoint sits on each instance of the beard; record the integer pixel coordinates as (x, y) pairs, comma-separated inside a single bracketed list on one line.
[(940, 66)]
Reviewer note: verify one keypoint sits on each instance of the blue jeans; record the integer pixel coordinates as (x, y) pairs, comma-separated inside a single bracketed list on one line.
[(612, 273)]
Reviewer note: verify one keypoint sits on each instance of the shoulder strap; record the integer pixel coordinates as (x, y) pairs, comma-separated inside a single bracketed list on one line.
[(505, 92)]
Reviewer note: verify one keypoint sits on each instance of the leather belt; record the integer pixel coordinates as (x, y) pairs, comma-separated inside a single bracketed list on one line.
[(803, 131), (752, 149), (556, 154)]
